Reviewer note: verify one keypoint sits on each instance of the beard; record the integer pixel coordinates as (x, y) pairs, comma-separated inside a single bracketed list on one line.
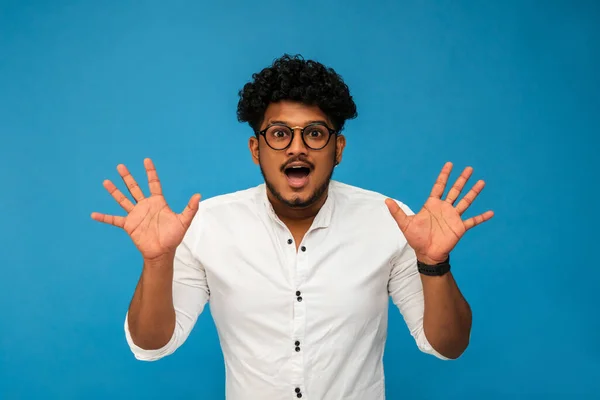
[(296, 202)]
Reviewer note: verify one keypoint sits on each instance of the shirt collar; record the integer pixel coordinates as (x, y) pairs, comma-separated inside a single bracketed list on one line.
[(323, 217)]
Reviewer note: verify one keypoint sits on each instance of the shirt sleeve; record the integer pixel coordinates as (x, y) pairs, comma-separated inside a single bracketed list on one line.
[(406, 290), (190, 295)]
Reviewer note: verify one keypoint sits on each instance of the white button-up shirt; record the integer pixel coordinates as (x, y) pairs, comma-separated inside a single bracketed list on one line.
[(308, 323)]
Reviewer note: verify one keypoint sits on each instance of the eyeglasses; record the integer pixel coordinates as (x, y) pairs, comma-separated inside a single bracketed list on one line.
[(315, 136)]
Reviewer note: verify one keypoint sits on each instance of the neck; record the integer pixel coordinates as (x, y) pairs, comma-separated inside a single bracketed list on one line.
[(297, 215)]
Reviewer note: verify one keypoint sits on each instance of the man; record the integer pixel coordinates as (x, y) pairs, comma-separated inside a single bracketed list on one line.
[(298, 270)]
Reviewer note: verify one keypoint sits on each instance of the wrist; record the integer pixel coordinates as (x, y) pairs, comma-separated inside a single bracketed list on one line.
[(160, 262), (157, 273), (431, 267), (427, 260)]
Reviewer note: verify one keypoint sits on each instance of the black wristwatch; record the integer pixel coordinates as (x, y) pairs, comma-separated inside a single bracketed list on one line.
[(434, 270)]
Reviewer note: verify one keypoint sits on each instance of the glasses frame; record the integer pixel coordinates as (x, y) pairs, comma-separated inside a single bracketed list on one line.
[(332, 132)]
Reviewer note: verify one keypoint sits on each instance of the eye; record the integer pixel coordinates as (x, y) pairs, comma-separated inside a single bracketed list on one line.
[(278, 132)]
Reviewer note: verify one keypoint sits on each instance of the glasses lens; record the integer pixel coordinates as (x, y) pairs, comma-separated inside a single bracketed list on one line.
[(316, 136), (278, 137)]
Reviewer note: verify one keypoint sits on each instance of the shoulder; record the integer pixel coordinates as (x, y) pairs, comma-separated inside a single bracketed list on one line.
[(364, 213), (354, 198), (228, 202), (220, 210)]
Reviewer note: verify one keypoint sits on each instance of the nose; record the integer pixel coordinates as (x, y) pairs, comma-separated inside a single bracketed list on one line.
[(297, 146)]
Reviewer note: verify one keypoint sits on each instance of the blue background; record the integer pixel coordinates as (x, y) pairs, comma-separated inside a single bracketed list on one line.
[(509, 87)]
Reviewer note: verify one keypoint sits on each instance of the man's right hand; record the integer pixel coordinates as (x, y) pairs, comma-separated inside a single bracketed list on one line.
[(154, 228)]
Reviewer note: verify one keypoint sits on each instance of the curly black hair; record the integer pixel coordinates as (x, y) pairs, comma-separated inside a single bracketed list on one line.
[(296, 79)]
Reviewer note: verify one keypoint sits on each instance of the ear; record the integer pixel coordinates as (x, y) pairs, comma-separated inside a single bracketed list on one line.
[(253, 146), (339, 148)]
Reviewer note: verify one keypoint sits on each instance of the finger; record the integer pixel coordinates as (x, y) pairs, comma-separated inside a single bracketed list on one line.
[(132, 185), (153, 181), (188, 213), (470, 197), (458, 186), (109, 219), (474, 221), (118, 196), (398, 214), (440, 184)]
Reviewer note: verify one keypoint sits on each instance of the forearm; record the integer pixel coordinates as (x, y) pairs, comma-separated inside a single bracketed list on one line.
[(151, 316), (447, 319)]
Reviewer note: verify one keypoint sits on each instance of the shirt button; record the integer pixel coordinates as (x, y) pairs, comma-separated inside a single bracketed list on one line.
[(299, 298), (297, 390), (297, 343), (298, 293), (299, 395), (290, 241), (303, 248), (297, 349)]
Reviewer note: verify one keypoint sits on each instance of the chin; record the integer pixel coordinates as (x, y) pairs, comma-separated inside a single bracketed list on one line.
[(299, 198), (295, 198), (299, 201), (299, 193)]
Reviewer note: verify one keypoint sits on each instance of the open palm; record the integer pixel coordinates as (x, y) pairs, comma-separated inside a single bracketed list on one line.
[(436, 229), (154, 228)]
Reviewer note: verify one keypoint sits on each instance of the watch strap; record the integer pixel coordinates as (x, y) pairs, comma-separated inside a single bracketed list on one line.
[(434, 270)]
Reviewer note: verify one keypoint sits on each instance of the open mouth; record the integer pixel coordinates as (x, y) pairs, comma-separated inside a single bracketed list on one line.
[(297, 176)]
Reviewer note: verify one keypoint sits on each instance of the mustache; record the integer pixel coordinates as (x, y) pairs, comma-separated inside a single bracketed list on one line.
[(295, 159)]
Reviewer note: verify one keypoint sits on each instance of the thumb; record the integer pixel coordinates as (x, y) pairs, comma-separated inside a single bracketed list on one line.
[(190, 210), (398, 214)]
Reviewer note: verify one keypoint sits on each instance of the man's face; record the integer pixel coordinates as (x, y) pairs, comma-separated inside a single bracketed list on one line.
[(306, 184)]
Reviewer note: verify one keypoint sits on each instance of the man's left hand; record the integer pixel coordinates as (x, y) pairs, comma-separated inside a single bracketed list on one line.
[(435, 230)]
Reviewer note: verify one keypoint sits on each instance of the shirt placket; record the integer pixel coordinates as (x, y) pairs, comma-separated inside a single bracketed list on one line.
[(300, 258)]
